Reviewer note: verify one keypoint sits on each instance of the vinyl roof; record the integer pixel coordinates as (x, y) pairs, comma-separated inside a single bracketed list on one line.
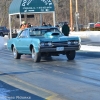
[(31, 6)]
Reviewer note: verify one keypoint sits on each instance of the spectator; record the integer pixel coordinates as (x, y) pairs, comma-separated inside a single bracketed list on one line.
[(65, 29), (28, 25), (58, 26), (49, 24), (23, 25), (44, 24)]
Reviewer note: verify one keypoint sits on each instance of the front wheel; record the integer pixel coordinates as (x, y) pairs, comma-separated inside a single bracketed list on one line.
[(16, 54), (36, 56), (71, 55)]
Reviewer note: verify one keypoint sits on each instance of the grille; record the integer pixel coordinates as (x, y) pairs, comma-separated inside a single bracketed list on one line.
[(55, 44), (64, 44)]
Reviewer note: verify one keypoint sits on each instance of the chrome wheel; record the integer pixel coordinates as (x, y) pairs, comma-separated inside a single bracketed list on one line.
[(16, 54), (36, 56), (33, 54)]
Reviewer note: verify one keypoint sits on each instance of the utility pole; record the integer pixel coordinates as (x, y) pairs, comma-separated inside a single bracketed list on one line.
[(85, 13), (71, 17), (94, 10), (76, 15), (76, 6), (56, 9)]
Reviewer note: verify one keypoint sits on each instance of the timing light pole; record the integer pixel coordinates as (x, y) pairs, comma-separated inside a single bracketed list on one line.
[(76, 6), (76, 16)]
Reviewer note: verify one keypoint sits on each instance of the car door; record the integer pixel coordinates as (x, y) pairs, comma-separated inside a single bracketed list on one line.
[(24, 42)]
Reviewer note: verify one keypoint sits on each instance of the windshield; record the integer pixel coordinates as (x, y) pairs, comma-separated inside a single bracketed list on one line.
[(41, 32)]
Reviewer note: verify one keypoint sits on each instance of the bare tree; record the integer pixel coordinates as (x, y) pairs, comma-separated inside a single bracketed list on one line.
[(88, 12)]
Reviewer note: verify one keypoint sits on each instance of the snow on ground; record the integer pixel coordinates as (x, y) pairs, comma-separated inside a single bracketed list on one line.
[(93, 36), (3, 94), (90, 48)]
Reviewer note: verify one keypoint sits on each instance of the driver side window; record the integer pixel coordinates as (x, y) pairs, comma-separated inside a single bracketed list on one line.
[(24, 34)]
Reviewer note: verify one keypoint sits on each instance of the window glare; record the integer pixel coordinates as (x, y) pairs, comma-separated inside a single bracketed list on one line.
[(40, 32)]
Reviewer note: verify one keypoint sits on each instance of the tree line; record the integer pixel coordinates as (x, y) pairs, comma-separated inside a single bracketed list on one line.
[(88, 12)]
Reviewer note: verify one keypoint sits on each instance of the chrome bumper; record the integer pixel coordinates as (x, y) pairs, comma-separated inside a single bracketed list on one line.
[(55, 50)]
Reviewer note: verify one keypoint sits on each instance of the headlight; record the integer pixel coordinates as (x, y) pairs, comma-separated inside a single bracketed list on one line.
[(69, 42), (42, 44), (49, 43), (46, 44), (72, 42), (76, 42)]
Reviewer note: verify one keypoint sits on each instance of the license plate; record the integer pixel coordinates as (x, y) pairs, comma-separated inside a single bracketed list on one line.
[(59, 48)]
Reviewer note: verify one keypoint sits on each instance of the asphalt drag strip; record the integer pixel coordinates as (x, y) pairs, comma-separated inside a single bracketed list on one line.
[(16, 89), (8, 92)]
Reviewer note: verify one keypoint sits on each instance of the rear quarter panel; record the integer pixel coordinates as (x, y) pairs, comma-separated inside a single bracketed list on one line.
[(9, 43)]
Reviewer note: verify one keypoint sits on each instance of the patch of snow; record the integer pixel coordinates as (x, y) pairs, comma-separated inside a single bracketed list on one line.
[(93, 36), (90, 48), (2, 42), (3, 94)]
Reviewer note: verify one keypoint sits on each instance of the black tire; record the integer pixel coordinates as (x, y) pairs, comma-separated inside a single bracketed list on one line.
[(16, 54), (1, 34), (36, 56), (71, 55), (48, 57)]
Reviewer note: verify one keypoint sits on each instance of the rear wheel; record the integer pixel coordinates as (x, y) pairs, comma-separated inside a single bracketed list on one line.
[(36, 56), (16, 54), (71, 55)]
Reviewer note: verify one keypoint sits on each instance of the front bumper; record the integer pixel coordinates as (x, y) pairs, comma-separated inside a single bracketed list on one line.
[(54, 49)]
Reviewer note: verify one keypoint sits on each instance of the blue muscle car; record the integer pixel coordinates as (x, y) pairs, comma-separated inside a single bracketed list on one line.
[(43, 41)]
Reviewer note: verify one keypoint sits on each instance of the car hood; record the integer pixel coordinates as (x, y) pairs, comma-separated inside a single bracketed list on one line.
[(58, 39)]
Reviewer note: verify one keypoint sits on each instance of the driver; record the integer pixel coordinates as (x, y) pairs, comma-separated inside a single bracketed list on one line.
[(23, 25)]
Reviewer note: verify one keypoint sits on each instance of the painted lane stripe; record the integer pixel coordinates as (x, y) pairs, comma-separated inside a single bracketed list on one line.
[(30, 88)]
